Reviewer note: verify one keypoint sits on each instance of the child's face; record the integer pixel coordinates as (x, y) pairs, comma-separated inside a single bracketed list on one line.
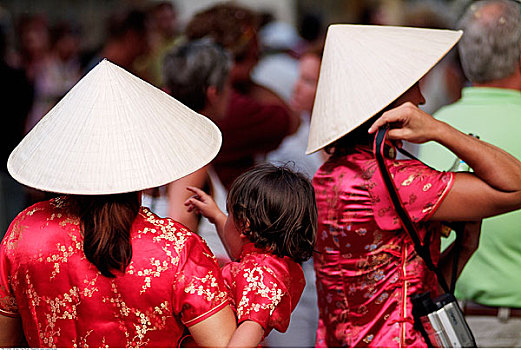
[(233, 238)]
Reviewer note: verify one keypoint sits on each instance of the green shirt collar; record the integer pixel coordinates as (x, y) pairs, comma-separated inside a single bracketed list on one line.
[(485, 93)]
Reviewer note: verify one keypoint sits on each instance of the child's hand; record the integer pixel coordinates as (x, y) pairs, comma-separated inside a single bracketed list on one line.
[(202, 203)]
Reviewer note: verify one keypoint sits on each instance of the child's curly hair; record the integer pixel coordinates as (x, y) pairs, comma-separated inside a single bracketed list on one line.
[(276, 209)]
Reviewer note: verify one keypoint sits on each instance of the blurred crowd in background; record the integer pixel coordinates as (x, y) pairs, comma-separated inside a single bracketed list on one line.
[(275, 66), (43, 56)]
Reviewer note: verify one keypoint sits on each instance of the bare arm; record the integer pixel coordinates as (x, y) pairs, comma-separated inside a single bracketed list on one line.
[(11, 332), (248, 335), (495, 186), (470, 243), (178, 194), (215, 331)]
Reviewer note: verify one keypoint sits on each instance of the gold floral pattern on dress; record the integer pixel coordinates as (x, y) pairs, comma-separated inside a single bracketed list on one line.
[(157, 266), (61, 307), (144, 321), (200, 286), (369, 338), (62, 256), (409, 180), (55, 282), (254, 277), (361, 244), (7, 303), (83, 341)]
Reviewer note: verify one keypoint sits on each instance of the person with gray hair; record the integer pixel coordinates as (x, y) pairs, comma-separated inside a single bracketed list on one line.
[(490, 48), (490, 109), (196, 73)]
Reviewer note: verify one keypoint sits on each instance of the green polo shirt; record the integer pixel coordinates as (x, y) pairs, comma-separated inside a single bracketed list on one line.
[(493, 274)]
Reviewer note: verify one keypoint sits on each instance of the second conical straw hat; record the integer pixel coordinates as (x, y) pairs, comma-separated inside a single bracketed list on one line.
[(364, 68), (113, 133)]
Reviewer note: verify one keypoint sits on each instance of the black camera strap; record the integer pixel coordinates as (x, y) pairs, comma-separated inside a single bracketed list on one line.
[(407, 224)]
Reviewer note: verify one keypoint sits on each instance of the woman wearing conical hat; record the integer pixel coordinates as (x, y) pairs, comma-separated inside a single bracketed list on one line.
[(92, 267), (366, 264)]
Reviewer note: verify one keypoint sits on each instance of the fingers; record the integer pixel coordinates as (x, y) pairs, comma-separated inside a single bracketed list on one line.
[(378, 124), (394, 116), (192, 205), (397, 134), (197, 191)]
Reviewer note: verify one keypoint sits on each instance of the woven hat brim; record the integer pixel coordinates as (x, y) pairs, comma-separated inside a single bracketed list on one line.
[(113, 133), (365, 68)]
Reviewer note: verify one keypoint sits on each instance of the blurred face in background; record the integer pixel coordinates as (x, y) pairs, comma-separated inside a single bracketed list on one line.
[(34, 37), (246, 60), (306, 86)]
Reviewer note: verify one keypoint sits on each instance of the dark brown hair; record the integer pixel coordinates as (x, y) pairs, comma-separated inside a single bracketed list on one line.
[(347, 143), (275, 208), (230, 25), (106, 221)]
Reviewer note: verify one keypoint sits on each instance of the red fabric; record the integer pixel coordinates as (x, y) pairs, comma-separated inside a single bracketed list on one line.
[(173, 281), (249, 129), (264, 288), (367, 267)]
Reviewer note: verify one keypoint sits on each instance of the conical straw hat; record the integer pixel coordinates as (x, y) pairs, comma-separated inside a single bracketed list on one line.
[(365, 68), (113, 133)]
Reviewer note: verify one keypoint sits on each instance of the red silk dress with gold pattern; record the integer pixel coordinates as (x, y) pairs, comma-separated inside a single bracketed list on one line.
[(264, 287), (367, 268), (173, 281)]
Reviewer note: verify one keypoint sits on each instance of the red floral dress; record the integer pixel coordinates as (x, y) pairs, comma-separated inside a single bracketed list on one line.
[(264, 287), (367, 267), (173, 281)]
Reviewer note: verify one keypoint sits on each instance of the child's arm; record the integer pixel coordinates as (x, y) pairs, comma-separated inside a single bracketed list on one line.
[(205, 204), (248, 335)]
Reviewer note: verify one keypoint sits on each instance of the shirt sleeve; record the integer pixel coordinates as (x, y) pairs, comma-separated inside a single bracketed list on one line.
[(421, 190), (199, 289), (8, 306), (261, 297)]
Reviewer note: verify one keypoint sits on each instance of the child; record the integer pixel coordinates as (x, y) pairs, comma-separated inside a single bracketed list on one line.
[(270, 230)]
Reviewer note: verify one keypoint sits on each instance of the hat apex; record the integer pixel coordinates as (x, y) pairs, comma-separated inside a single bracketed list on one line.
[(365, 68)]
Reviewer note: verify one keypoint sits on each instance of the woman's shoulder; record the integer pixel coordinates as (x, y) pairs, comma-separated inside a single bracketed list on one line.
[(42, 211), (38, 223), (163, 227), (165, 230)]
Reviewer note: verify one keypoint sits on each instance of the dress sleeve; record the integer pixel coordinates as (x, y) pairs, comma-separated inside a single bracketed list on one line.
[(261, 297), (8, 306), (421, 190), (199, 289)]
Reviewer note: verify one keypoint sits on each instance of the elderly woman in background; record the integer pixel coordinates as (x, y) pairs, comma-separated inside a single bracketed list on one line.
[(257, 119), (367, 267), (196, 73), (93, 268)]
